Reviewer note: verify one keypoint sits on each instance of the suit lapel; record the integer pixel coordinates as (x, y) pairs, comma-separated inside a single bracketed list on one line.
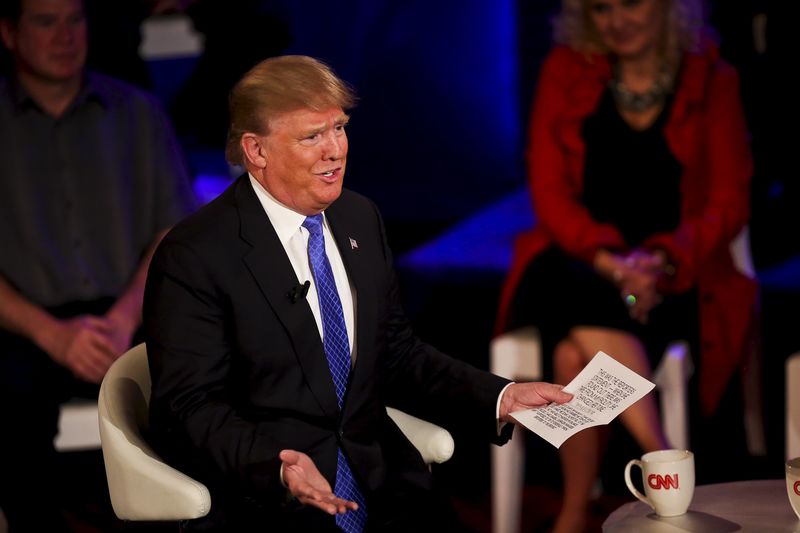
[(269, 265)]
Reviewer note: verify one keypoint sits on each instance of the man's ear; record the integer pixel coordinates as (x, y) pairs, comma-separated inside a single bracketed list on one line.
[(8, 33), (252, 148)]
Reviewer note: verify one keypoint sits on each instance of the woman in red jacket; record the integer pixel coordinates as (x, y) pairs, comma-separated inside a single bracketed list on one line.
[(639, 169)]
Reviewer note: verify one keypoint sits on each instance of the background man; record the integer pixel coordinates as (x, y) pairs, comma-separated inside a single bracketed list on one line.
[(90, 177), (276, 335)]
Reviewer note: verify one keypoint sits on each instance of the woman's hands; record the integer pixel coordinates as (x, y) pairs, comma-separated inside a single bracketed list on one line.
[(635, 274)]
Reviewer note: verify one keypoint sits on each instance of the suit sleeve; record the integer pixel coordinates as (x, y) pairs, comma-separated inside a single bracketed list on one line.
[(423, 381), (191, 410)]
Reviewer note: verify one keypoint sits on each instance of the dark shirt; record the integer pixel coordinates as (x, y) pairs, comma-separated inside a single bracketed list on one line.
[(631, 179), (83, 195)]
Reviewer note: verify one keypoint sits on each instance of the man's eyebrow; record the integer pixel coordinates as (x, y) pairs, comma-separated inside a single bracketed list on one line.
[(314, 130), (344, 119)]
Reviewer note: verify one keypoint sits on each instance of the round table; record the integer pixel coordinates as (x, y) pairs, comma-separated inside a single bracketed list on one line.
[(760, 506)]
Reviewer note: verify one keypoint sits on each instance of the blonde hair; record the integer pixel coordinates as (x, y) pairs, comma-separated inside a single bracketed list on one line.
[(684, 24), (279, 85)]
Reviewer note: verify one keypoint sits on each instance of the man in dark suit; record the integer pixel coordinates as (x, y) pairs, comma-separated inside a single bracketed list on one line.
[(242, 334)]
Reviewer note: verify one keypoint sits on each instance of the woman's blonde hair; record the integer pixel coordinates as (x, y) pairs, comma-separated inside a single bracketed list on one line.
[(684, 22), (279, 85)]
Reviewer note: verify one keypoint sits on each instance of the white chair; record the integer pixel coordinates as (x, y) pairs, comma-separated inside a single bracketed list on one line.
[(752, 378), (434, 443), (141, 485), (517, 355), (793, 406), (144, 488)]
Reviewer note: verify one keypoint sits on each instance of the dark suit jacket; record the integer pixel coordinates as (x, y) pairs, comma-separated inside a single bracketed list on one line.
[(239, 372)]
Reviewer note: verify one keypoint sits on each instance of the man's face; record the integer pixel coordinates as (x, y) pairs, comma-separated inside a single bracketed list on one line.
[(306, 154), (49, 40)]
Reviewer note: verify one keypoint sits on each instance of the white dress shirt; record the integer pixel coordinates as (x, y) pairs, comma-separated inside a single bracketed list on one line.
[(288, 225)]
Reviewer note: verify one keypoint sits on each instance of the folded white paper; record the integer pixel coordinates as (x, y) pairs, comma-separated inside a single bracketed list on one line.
[(602, 390)]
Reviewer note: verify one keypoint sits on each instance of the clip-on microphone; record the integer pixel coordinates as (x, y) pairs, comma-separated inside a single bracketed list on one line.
[(299, 292)]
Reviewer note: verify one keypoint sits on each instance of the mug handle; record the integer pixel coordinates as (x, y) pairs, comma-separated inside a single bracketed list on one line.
[(629, 483)]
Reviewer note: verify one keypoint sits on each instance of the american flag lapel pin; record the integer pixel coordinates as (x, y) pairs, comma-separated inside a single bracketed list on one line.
[(353, 243)]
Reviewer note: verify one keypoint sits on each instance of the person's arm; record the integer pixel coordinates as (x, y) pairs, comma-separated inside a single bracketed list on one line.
[(21, 316), (728, 167), (85, 344), (80, 343), (125, 316), (554, 187), (421, 380)]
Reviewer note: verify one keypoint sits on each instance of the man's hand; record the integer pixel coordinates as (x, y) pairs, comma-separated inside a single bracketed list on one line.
[(519, 396), (82, 344), (309, 486)]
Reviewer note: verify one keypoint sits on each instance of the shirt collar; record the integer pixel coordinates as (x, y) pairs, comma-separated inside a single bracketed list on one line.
[(285, 221), (90, 90)]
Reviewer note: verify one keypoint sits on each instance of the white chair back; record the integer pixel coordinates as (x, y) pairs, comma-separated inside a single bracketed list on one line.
[(141, 485)]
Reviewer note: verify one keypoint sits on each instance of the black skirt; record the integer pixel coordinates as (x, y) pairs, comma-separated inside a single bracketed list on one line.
[(558, 293)]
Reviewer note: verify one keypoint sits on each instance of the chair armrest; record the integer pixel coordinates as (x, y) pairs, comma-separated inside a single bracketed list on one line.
[(141, 485), (434, 443)]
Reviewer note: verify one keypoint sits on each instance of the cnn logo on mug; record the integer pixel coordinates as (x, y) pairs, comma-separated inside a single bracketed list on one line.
[(658, 482), (793, 483), (667, 478)]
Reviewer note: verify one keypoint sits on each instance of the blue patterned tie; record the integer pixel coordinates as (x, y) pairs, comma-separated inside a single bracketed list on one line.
[(337, 349)]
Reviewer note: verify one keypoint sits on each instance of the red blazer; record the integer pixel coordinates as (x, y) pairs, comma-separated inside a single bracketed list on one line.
[(706, 132)]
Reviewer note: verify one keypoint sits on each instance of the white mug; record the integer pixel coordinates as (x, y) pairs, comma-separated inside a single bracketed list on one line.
[(793, 483), (668, 479)]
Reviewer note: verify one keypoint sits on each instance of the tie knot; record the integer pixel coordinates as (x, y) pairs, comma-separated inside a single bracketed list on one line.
[(313, 224)]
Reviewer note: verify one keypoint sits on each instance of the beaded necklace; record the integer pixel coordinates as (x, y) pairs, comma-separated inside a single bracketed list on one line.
[(628, 100)]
